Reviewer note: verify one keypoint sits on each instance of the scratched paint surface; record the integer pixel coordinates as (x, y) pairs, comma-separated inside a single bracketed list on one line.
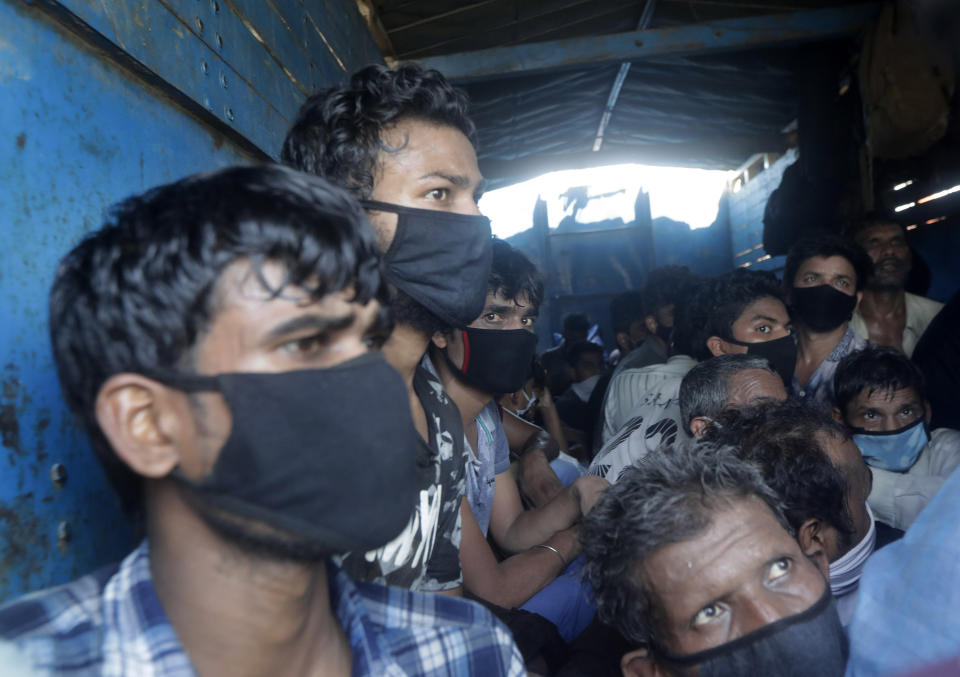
[(76, 135)]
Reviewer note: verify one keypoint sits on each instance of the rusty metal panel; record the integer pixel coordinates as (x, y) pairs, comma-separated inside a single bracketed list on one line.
[(101, 100)]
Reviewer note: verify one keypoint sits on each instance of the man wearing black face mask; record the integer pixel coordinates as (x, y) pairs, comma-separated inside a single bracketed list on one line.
[(195, 335), (823, 278), (740, 312), (489, 357), (402, 142), (691, 560)]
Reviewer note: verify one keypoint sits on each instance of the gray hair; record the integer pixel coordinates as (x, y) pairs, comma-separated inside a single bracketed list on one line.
[(667, 498), (706, 387)]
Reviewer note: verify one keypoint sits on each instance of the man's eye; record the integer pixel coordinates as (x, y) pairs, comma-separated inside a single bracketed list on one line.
[(309, 344), (779, 569), (528, 321), (764, 329), (492, 317), (869, 415), (809, 277), (906, 411), (439, 194), (708, 614)]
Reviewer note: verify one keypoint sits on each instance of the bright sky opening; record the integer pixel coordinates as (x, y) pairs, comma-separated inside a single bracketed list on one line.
[(680, 193)]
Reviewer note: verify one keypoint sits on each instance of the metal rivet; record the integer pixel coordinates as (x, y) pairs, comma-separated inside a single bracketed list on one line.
[(204, 67), (206, 103), (638, 43), (63, 532), (718, 34), (198, 23), (215, 6), (229, 113), (219, 41), (58, 474), (223, 79)]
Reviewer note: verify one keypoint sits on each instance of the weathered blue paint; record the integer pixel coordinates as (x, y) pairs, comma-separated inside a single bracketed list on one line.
[(746, 209), (251, 63), (716, 36), (79, 130)]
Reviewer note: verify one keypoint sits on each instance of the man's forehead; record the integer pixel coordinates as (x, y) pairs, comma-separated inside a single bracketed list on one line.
[(429, 148), (880, 228), (834, 264), (499, 298), (248, 286), (764, 307), (742, 535), (877, 396)]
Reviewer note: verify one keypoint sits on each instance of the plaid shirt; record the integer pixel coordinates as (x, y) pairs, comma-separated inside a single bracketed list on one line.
[(111, 623)]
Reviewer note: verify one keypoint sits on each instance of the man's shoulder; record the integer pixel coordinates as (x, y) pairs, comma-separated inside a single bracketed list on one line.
[(922, 303), (431, 634), (61, 625), (945, 437)]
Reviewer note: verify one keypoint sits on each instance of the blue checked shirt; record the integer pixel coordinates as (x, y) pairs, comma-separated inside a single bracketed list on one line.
[(111, 623)]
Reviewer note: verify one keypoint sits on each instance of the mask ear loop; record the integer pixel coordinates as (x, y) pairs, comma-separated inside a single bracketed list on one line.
[(466, 351)]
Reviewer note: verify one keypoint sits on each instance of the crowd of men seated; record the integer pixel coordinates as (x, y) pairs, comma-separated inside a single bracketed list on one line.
[(314, 387)]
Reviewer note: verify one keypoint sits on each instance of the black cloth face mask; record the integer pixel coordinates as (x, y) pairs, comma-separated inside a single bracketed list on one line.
[(495, 361), (781, 353), (440, 259), (809, 643), (326, 455), (822, 308)]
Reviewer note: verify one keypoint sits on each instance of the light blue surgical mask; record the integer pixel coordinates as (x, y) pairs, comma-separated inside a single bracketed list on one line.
[(895, 450)]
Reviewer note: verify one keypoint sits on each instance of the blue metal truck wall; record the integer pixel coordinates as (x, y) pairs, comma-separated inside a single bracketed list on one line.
[(99, 101)]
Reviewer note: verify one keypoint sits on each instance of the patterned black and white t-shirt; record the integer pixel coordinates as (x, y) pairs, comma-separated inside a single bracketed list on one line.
[(426, 554)]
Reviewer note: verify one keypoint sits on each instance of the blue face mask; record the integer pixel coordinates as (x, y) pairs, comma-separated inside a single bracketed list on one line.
[(896, 450)]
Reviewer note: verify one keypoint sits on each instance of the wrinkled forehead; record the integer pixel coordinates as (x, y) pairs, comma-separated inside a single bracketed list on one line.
[(879, 229), (748, 386), (738, 534)]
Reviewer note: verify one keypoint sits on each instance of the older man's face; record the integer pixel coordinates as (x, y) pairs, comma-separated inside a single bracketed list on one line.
[(743, 572), (886, 243)]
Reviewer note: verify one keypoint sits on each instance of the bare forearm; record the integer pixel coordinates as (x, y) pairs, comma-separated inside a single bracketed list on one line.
[(518, 578), (536, 526)]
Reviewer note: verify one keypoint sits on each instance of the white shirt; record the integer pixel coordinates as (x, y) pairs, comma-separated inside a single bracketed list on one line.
[(651, 395), (898, 497), (651, 387), (920, 312)]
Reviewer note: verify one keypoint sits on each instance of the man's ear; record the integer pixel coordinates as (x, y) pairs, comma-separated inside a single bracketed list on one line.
[(699, 425), (140, 419), (927, 414), (810, 537), (623, 342), (639, 663), (439, 339), (838, 416), (859, 297), (717, 346)]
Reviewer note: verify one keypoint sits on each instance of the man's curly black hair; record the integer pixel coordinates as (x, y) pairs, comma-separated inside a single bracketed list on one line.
[(338, 131)]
